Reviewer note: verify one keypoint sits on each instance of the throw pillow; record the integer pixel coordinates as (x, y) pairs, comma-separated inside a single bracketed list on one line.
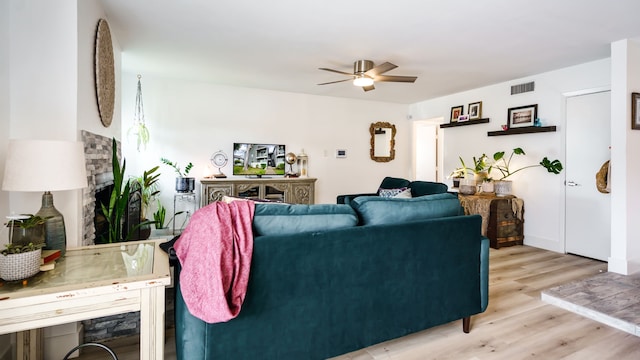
[(390, 192), (406, 194)]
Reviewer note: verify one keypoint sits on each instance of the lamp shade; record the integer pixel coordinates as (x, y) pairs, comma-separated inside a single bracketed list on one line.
[(44, 165)]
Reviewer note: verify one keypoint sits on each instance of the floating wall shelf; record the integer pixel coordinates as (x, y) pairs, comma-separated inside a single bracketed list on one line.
[(522, 130), (464, 123)]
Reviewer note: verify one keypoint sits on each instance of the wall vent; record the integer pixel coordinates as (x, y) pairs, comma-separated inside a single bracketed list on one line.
[(522, 88)]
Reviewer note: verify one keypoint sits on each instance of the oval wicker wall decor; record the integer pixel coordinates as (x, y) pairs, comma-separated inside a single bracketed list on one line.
[(105, 73)]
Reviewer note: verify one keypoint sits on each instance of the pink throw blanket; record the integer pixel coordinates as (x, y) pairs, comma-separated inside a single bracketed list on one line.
[(215, 254)]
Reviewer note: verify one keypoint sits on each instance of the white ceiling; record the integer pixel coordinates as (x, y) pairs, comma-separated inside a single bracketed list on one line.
[(451, 45)]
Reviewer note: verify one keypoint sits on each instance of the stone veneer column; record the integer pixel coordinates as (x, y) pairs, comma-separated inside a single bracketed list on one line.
[(98, 152)]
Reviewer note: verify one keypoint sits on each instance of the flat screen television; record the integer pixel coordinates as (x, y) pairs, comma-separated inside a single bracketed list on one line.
[(250, 159)]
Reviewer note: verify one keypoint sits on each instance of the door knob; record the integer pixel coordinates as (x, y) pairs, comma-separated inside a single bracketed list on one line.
[(571, 183)]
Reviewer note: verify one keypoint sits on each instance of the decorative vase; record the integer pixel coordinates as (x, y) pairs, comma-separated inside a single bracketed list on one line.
[(145, 231), (185, 184), (20, 266), (467, 186), (503, 187)]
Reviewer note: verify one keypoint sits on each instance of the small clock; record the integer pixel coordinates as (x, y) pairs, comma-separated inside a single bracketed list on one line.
[(219, 159)]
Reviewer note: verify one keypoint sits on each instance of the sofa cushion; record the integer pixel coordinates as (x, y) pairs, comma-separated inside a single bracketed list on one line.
[(421, 188), (278, 219), (393, 183), (376, 210)]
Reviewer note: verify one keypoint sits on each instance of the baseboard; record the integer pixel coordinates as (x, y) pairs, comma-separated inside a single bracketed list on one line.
[(543, 243)]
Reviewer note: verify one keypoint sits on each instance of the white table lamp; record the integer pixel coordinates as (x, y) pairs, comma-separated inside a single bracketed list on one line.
[(46, 165)]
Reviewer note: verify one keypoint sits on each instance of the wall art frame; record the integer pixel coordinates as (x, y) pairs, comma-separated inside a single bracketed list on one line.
[(456, 111), (635, 111), (475, 110), (522, 116)]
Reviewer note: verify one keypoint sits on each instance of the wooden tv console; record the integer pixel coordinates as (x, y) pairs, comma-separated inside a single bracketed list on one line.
[(289, 190)]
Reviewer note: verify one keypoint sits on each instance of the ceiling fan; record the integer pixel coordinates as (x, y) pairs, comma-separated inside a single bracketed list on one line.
[(365, 74)]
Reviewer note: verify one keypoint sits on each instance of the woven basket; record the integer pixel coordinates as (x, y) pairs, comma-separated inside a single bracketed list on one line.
[(20, 266)]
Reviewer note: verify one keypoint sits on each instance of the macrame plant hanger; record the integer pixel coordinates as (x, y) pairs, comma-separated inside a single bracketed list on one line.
[(139, 128)]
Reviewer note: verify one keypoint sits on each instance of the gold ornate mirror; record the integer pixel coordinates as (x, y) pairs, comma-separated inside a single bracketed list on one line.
[(383, 141)]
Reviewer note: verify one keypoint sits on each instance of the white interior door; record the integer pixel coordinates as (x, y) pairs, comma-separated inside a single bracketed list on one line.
[(588, 211), (426, 154)]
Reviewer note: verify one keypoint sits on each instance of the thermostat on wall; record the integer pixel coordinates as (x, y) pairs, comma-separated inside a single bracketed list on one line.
[(340, 153)]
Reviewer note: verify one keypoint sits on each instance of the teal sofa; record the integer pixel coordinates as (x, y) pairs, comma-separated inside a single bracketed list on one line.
[(418, 188), (330, 279)]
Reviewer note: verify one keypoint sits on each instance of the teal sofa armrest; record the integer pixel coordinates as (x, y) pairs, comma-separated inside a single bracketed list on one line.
[(346, 199), (387, 183)]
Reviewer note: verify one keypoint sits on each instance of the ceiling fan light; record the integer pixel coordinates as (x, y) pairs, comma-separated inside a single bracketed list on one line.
[(362, 81)]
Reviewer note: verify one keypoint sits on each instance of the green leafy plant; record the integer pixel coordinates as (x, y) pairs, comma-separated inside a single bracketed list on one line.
[(141, 133), (176, 168), (480, 166), (148, 189), (118, 201), (19, 249), (31, 221), (160, 215), (503, 165)]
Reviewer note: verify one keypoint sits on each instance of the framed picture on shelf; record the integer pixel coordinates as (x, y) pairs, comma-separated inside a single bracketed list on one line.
[(522, 116), (475, 110), (635, 107), (456, 111)]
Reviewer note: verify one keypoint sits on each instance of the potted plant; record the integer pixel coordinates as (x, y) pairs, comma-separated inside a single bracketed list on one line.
[(467, 182), (21, 260), (149, 192), (184, 184), (140, 133), (487, 185), (503, 165), (159, 216)]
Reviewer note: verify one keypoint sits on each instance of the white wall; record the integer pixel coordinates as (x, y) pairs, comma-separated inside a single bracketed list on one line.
[(542, 192), (52, 87), (189, 121), (625, 169), (5, 340)]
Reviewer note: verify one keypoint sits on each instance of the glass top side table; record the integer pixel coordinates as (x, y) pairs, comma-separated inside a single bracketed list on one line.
[(90, 282)]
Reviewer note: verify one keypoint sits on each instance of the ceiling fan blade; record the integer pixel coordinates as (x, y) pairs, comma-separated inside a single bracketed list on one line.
[(333, 82), (368, 88), (380, 69), (337, 71), (396, 78)]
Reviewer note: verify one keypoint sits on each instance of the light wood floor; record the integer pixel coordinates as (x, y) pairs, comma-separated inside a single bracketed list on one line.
[(517, 324)]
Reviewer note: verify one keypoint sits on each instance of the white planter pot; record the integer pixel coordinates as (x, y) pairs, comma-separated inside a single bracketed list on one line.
[(20, 266), (503, 187), (467, 186), (487, 186)]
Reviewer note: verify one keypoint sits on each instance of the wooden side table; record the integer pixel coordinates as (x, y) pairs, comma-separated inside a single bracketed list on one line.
[(502, 217), (90, 282)]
